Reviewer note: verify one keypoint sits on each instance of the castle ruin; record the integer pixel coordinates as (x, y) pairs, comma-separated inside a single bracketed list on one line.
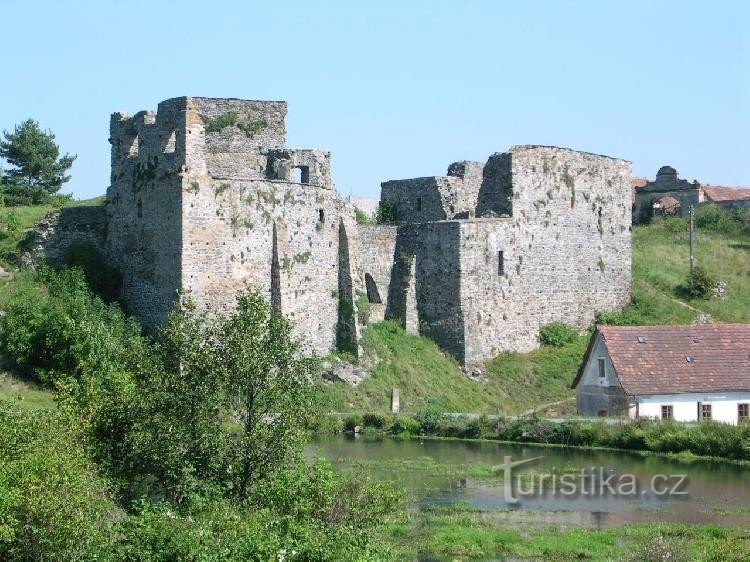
[(206, 199)]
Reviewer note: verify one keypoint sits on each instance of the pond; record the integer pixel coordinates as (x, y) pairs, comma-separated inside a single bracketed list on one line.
[(600, 488)]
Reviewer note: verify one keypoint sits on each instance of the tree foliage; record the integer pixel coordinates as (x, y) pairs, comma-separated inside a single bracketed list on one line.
[(184, 447), (37, 168)]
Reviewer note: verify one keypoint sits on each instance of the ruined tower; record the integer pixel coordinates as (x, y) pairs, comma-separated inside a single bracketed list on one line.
[(206, 199)]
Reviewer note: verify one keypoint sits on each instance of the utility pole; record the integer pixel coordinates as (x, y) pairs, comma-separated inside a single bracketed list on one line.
[(691, 211)]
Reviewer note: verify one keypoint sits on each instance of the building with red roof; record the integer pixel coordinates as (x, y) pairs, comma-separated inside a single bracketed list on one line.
[(686, 373)]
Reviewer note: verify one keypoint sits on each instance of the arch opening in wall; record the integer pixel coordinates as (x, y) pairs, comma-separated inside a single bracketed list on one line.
[(129, 145), (373, 295), (666, 206), (321, 215), (170, 143)]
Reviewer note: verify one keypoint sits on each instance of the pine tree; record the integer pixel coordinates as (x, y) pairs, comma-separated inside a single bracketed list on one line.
[(38, 171)]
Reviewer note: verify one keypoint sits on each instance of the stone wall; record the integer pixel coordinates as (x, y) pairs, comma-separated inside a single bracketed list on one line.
[(205, 198), (666, 184), (565, 251), (235, 230), (144, 206), (376, 255), (57, 231), (435, 198), (553, 246)]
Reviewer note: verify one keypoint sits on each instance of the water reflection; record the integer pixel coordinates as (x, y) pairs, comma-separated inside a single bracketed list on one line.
[(442, 472)]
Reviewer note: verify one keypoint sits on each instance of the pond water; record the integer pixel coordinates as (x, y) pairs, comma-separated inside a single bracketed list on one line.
[(602, 488)]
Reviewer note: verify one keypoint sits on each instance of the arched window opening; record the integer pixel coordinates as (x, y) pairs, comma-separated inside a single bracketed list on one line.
[(373, 296)]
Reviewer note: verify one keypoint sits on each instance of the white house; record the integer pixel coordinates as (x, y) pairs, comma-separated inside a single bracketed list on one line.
[(685, 373)]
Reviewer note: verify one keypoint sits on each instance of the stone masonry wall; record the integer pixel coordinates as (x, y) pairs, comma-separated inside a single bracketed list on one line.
[(144, 207), (57, 231), (566, 251), (229, 229), (376, 254)]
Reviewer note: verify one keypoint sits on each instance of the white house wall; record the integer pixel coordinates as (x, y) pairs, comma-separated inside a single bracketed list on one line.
[(685, 406)]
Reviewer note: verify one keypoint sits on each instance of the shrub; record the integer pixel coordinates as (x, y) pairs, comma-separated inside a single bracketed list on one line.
[(362, 217), (733, 222), (674, 224), (429, 419), (53, 504), (405, 424), (68, 331), (386, 214), (102, 278), (699, 285), (352, 421), (378, 421), (558, 334), (220, 122)]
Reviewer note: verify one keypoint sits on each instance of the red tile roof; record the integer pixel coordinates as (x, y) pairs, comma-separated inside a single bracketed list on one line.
[(719, 358), (719, 193)]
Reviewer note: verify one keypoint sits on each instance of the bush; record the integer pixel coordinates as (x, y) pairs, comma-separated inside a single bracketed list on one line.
[(700, 284), (68, 331), (352, 421), (429, 419), (674, 224), (558, 334), (103, 279), (405, 424), (386, 214), (378, 421), (733, 222), (362, 217), (53, 504)]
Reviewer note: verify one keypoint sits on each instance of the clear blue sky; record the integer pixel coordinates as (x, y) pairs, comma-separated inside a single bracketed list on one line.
[(399, 89)]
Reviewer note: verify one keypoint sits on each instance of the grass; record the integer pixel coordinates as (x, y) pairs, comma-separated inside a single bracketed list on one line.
[(26, 395), (473, 534), (425, 375), (520, 382)]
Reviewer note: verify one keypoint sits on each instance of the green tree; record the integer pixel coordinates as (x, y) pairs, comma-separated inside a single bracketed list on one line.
[(38, 170), (269, 390)]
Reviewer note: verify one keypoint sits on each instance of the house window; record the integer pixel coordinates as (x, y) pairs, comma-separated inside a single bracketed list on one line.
[(500, 263), (667, 412), (419, 203), (602, 366), (743, 413), (704, 411)]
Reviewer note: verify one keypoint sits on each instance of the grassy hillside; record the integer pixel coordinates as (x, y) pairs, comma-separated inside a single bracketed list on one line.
[(518, 383)]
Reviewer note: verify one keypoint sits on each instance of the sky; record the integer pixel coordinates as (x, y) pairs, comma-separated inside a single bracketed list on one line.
[(399, 89)]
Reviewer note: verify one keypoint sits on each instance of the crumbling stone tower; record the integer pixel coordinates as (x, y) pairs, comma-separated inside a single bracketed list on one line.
[(206, 199)]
